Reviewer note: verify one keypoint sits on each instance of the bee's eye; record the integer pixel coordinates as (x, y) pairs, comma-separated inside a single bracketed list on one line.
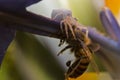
[(68, 63)]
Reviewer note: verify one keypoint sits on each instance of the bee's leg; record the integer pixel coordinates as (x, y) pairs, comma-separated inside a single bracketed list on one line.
[(85, 33), (88, 41), (63, 50)]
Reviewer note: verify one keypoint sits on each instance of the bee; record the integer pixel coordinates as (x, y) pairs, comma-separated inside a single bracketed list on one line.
[(76, 36)]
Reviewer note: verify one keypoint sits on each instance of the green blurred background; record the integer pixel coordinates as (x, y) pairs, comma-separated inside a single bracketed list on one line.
[(34, 57)]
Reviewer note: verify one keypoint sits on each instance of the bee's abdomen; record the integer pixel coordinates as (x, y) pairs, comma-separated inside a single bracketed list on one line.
[(78, 67)]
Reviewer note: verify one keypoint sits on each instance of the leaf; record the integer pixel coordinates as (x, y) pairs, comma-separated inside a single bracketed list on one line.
[(6, 36)]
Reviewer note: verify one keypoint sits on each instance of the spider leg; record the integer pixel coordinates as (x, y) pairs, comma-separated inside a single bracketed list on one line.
[(66, 29), (61, 26), (72, 31), (62, 30)]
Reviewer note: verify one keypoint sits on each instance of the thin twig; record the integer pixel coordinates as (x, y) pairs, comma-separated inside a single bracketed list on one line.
[(44, 26), (32, 23), (110, 24), (105, 42)]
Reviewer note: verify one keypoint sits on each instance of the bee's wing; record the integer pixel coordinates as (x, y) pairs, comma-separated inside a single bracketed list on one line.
[(95, 66), (89, 52), (94, 47)]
